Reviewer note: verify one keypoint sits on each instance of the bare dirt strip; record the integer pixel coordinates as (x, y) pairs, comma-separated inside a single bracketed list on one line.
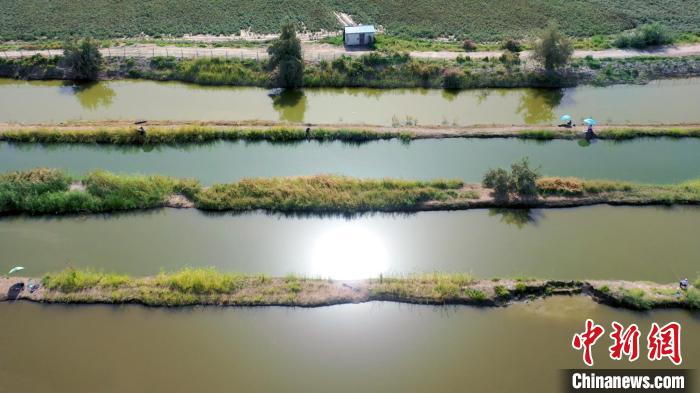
[(314, 51)]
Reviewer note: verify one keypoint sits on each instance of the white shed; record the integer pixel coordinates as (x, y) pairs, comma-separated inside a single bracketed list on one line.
[(358, 35)]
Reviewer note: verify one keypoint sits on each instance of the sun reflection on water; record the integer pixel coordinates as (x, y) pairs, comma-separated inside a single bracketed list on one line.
[(349, 252)]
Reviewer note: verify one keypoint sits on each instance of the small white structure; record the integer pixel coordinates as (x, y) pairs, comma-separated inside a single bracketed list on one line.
[(362, 35)]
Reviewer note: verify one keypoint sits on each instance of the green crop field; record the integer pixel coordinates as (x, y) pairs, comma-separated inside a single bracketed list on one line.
[(497, 19), (475, 19)]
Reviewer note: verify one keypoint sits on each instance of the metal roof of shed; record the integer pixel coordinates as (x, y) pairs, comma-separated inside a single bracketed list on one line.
[(359, 29)]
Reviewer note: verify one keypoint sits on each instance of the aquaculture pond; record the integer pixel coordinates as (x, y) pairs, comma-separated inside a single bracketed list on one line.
[(603, 242), (384, 347), (667, 101), (642, 160)]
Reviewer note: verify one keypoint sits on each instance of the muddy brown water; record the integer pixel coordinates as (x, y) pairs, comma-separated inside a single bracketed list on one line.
[(668, 101), (643, 160), (602, 242), (371, 347)]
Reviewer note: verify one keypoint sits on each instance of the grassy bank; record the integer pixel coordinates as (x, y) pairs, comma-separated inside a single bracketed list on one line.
[(387, 70), (50, 191), (326, 194), (192, 133), (210, 287)]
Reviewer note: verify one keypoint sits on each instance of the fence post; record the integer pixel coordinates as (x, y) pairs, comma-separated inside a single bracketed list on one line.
[(182, 54), (166, 52)]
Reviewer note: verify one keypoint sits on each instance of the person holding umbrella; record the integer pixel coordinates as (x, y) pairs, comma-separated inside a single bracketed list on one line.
[(567, 121), (589, 131)]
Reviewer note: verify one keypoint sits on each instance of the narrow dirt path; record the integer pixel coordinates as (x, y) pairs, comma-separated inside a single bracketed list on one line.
[(314, 51), (423, 131)]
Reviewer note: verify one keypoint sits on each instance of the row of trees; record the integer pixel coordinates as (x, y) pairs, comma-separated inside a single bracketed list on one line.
[(83, 58)]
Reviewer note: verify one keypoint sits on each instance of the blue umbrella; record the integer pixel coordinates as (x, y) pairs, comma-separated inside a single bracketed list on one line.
[(590, 122), (565, 118)]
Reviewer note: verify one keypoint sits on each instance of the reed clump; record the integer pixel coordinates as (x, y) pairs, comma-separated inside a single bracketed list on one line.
[(52, 191), (200, 281), (632, 133), (73, 280), (325, 193), (430, 287)]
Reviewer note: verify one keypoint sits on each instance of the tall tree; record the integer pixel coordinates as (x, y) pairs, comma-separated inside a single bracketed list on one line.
[(286, 58), (553, 49), (83, 58)]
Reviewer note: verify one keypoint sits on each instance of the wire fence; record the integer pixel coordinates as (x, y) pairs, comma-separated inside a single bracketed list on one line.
[(257, 54)]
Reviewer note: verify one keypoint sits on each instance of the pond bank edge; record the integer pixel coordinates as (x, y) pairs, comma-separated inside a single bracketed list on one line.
[(180, 133), (310, 293)]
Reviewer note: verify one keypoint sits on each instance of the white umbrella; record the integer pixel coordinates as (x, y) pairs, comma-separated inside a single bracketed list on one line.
[(15, 269)]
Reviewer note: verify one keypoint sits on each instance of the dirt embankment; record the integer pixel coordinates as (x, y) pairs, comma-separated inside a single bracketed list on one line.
[(314, 51), (608, 131), (317, 292)]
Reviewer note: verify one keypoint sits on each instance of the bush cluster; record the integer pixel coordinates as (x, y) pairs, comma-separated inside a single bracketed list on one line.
[(522, 180), (653, 34), (560, 186)]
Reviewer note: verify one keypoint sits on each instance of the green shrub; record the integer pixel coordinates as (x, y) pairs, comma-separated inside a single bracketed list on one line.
[(636, 298), (468, 45), (653, 34), (553, 50), (452, 78), (509, 58), (83, 58), (72, 280), (286, 58), (512, 45), (161, 63), (521, 180), (200, 281), (501, 291), (498, 179), (524, 178), (692, 298), (475, 294)]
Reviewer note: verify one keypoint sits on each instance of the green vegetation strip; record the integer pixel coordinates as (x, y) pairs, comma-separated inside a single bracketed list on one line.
[(210, 287), (375, 70), (196, 134), (52, 191)]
